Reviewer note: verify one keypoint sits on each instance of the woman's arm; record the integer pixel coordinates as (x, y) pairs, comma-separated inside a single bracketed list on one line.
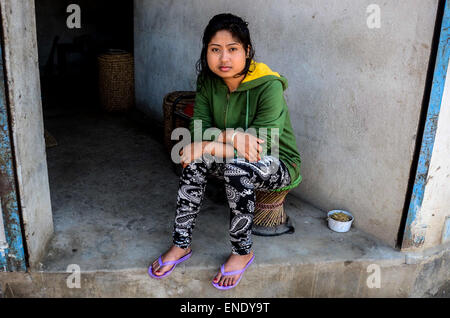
[(196, 150), (219, 149), (245, 144), (224, 137)]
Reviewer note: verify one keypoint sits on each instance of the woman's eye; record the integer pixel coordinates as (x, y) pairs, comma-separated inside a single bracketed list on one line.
[(215, 50), (233, 49)]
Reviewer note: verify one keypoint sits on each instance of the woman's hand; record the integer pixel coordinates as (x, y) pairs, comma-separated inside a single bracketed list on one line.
[(191, 152), (248, 146), (220, 150)]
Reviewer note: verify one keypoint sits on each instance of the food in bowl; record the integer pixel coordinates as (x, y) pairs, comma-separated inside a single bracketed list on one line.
[(341, 217)]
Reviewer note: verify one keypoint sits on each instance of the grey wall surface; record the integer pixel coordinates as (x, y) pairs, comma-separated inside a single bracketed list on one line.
[(354, 93)]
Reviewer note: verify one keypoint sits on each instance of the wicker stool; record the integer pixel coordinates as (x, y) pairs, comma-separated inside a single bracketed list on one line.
[(173, 105), (116, 80), (270, 219)]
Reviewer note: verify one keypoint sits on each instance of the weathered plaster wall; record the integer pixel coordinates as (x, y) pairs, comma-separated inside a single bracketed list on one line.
[(354, 93), (22, 72)]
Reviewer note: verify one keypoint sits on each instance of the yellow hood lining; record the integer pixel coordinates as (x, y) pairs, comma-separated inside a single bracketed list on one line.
[(258, 70)]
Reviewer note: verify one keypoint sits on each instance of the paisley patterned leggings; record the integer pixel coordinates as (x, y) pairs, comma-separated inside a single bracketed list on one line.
[(241, 179)]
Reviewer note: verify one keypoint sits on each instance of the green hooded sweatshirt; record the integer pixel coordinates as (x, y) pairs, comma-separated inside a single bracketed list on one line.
[(258, 102)]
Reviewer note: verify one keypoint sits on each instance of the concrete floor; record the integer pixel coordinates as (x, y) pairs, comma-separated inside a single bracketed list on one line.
[(114, 192), (113, 195)]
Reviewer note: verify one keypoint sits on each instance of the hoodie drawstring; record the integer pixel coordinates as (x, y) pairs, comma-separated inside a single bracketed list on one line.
[(246, 115)]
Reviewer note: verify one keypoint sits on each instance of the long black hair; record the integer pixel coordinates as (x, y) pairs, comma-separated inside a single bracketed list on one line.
[(238, 29)]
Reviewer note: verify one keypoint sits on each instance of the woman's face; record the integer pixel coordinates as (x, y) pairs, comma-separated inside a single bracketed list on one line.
[(226, 55)]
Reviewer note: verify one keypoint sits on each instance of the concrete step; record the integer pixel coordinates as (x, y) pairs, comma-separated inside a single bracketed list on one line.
[(312, 262)]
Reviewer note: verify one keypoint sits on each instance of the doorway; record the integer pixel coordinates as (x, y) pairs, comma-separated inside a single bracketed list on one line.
[(99, 163)]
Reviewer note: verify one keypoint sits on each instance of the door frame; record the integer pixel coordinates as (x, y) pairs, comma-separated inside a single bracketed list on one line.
[(26, 131), (413, 236), (12, 252)]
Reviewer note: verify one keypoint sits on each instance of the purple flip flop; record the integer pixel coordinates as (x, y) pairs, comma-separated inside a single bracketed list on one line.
[(222, 270), (161, 264)]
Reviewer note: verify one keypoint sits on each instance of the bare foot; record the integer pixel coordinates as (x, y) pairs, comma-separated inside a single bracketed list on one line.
[(234, 263), (173, 254)]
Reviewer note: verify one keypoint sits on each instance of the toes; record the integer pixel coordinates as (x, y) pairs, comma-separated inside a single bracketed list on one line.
[(155, 267), (230, 281), (160, 271), (225, 281), (217, 278)]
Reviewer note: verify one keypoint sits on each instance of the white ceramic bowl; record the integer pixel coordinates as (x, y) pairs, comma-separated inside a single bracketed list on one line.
[(339, 226)]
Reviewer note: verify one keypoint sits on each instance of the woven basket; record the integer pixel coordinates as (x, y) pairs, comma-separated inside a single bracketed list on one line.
[(171, 121), (270, 219), (116, 81)]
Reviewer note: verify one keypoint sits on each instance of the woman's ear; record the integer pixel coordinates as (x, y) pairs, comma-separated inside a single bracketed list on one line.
[(248, 51)]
